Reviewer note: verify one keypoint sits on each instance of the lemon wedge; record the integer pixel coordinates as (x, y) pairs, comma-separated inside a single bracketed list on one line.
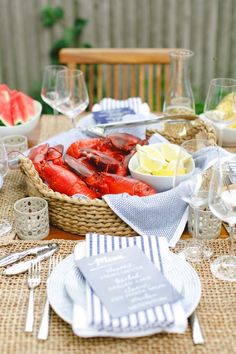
[(150, 151), (170, 152), (150, 164)]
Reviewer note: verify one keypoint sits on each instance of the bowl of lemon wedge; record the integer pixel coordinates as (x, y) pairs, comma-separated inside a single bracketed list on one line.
[(156, 165)]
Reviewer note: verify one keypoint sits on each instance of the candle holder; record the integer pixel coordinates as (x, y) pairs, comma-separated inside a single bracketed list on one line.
[(31, 218), (209, 224), (15, 145)]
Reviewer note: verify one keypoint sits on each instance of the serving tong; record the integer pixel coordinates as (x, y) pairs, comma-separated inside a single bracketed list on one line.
[(100, 129)]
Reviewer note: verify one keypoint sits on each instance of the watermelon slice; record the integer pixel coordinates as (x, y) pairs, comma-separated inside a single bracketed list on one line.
[(22, 108), (15, 107), (5, 108)]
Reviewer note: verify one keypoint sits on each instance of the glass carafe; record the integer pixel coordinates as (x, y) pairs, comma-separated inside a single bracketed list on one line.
[(179, 98)]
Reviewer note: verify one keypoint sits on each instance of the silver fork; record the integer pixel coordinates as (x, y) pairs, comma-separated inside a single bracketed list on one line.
[(33, 281), (44, 325)]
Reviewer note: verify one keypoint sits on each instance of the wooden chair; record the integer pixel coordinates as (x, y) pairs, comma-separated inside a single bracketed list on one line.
[(122, 73)]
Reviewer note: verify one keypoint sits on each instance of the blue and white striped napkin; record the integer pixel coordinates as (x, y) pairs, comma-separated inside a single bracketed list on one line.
[(134, 103), (168, 315)]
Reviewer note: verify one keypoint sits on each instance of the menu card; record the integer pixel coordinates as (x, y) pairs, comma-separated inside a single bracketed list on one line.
[(126, 281), (112, 115)]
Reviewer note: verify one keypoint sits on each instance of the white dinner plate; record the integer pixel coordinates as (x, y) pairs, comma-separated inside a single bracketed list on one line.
[(65, 279)]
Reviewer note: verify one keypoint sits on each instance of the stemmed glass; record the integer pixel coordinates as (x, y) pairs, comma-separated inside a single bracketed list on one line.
[(219, 104), (222, 203), (72, 94), (48, 89), (5, 227), (194, 191)]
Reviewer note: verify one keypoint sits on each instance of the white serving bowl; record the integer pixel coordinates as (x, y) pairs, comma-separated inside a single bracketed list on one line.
[(25, 128), (228, 134), (160, 183)]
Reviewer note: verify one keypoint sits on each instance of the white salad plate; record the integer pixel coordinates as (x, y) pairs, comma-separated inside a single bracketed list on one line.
[(66, 293)]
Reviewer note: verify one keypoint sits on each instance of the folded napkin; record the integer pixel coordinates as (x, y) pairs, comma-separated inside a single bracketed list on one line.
[(163, 214), (134, 103), (170, 317)]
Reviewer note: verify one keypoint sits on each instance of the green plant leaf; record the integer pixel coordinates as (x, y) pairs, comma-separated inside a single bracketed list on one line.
[(58, 13), (47, 16), (86, 45), (59, 44), (79, 24), (69, 35)]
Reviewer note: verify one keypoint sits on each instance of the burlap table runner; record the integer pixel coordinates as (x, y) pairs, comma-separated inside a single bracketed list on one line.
[(50, 126), (216, 312), (12, 190)]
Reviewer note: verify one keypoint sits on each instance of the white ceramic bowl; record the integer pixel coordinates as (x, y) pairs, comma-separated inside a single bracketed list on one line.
[(25, 128), (160, 183), (228, 134)]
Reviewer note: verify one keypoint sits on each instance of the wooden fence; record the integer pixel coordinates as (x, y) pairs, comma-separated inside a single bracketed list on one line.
[(208, 27)]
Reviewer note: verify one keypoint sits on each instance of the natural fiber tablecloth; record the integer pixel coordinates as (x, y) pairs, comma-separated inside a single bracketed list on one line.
[(13, 189), (216, 312)]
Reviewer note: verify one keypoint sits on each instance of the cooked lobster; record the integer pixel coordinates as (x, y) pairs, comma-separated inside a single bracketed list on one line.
[(107, 183)]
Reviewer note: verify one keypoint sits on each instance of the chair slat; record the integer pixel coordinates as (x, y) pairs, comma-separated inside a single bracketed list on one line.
[(83, 69), (125, 81), (91, 85), (141, 81), (158, 88), (99, 82), (116, 81), (133, 81), (166, 70), (150, 86), (108, 81)]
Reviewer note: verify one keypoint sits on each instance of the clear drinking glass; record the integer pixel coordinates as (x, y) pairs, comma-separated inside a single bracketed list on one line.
[(222, 203), (179, 98), (195, 193), (72, 94), (48, 89), (219, 104), (5, 227)]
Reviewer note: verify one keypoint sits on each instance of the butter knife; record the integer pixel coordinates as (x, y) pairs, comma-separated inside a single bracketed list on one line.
[(16, 256), (24, 266), (196, 329)]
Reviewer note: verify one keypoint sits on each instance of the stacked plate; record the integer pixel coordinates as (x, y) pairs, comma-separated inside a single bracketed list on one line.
[(67, 293)]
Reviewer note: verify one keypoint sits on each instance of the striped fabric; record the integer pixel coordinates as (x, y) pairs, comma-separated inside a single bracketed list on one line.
[(155, 248), (134, 103)]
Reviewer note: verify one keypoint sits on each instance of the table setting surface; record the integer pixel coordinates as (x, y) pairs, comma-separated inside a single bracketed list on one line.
[(215, 310)]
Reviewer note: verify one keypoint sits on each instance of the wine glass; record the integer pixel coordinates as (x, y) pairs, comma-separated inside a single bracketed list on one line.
[(219, 104), (72, 94), (5, 227), (194, 191), (222, 203), (48, 89)]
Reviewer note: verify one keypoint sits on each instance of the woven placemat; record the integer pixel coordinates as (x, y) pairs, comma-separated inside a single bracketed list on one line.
[(12, 190), (216, 312)]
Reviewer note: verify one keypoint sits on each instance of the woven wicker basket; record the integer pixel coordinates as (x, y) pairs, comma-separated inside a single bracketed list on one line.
[(80, 216), (77, 216), (179, 132)]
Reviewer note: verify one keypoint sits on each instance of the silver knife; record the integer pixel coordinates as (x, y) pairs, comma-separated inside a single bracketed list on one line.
[(16, 256), (24, 266), (196, 329)]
